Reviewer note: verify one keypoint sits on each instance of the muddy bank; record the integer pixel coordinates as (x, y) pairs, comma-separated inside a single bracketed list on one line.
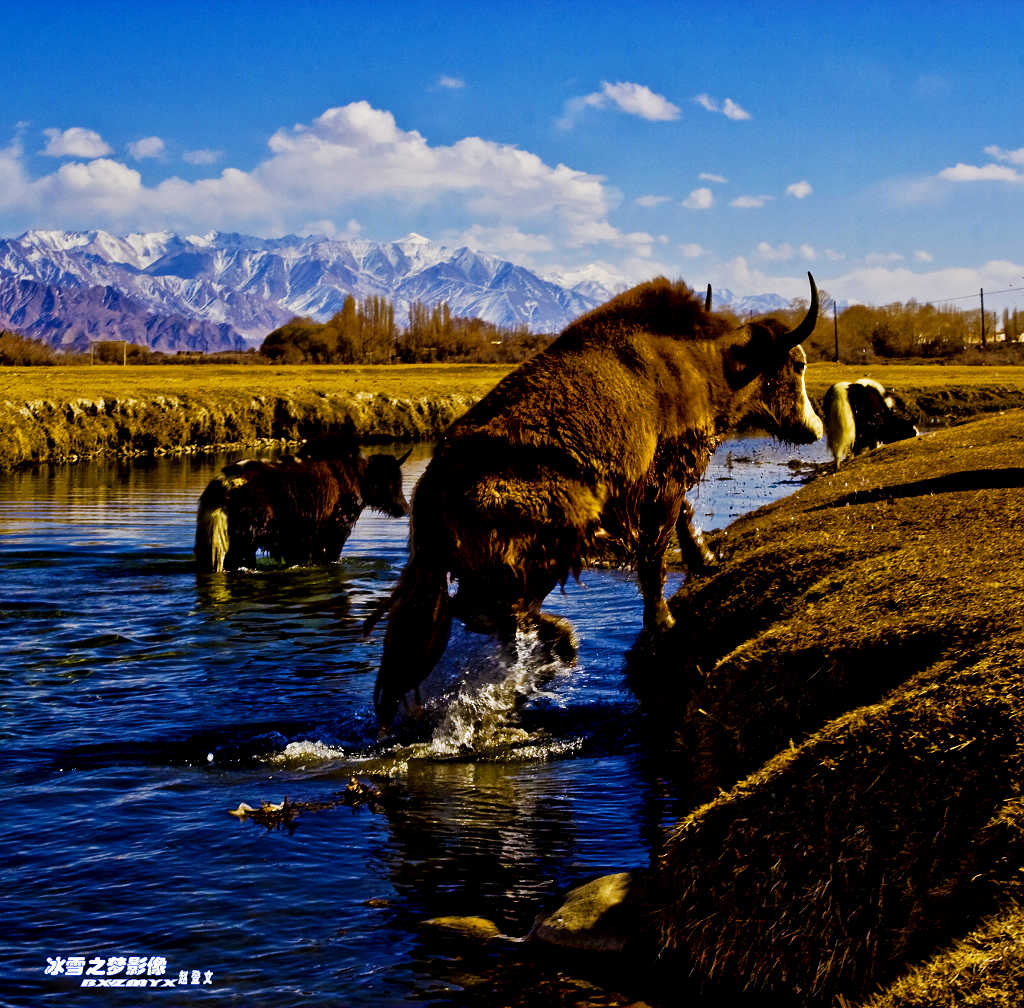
[(70, 429), (845, 694)]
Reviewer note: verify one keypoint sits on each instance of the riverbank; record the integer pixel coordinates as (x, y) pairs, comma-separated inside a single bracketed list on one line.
[(62, 414), (844, 694)]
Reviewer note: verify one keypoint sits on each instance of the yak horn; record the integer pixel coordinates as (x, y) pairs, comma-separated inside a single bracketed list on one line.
[(707, 299), (802, 331), (405, 457)]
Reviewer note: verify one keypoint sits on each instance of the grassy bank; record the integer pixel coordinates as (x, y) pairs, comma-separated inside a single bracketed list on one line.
[(846, 693), (67, 413)]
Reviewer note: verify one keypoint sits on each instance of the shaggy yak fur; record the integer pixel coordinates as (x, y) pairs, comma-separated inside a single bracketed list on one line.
[(297, 509), (588, 446), (859, 416)]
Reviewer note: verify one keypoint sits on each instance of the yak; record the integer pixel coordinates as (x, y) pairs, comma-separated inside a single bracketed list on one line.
[(590, 444), (860, 416), (299, 509)]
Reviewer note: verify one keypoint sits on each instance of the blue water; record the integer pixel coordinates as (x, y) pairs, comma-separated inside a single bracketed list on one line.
[(142, 702)]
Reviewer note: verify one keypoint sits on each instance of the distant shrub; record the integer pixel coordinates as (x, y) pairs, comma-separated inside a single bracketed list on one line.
[(19, 351)]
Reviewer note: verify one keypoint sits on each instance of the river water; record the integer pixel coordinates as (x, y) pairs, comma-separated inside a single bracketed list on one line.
[(142, 702)]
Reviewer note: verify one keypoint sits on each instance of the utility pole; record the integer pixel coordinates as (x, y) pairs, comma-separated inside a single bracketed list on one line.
[(835, 328), (981, 291)]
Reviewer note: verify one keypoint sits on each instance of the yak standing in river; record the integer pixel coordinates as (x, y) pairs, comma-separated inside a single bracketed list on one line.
[(297, 509), (590, 444)]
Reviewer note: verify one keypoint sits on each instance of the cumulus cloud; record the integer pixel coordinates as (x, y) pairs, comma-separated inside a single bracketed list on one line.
[(775, 253), (353, 158), (961, 172), (450, 83), (700, 199), (749, 202), (733, 111), (808, 252), (878, 284), (147, 147), (204, 156), (651, 201), (922, 256), (728, 108), (691, 250), (1011, 156), (799, 190), (833, 256), (75, 142), (711, 177), (634, 99), (883, 258)]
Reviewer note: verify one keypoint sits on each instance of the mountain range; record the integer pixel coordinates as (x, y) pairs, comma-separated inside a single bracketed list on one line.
[(221, 291)]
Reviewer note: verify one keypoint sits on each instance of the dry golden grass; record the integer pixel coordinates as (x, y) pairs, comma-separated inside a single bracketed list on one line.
[(92, 382), (851, 678)]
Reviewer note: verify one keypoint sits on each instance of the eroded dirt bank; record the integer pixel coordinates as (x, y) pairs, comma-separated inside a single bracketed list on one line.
[(80, 428), (847, 694)]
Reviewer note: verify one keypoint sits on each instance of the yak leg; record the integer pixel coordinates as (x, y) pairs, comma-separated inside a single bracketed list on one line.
[(555, 633), (696, 555), (656, 526)]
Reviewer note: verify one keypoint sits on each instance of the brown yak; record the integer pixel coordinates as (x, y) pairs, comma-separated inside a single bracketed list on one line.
[(297, 509), (592, 443)]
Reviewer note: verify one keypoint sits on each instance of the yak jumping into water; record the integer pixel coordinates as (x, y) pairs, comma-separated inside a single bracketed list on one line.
[(590, 444), (297, 509)]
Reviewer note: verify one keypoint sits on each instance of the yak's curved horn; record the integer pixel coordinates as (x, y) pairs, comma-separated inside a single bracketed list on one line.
[(707, 299), (404, 458), (802, 331)]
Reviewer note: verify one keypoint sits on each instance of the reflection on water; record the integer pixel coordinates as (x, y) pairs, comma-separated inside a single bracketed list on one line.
[(142, 701)]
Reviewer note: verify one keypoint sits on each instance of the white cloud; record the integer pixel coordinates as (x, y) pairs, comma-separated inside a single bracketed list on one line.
[(711, 177), (634, 99), (451, 83), (700, 199), (800, 190), (749, 202), (203, 156), (833, 256), (808, 252), (728, 108), (651, 201), (733, 111), (879, 285), (883, 258), (1011, 156), (147, 147), (691, 250), (354, 158), (980, 173), (75, 142), (921, 256), (775, 253)]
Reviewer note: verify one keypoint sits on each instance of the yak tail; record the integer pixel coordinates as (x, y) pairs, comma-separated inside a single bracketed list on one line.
[(212, 526)]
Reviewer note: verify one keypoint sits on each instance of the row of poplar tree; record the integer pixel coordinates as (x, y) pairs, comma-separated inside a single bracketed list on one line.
[(365, 332)]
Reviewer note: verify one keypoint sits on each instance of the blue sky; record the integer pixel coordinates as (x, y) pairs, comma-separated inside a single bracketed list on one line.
[(880, 145)]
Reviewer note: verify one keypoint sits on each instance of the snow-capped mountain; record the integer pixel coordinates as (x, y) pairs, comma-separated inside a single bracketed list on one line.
[(247, 286), (221, 291)]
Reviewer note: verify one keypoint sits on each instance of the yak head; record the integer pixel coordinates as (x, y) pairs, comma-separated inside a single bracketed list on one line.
[(766, 372), (381, 484)]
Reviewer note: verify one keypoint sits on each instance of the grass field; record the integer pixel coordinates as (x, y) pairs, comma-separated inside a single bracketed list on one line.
[(410, 380), (102, 381)]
